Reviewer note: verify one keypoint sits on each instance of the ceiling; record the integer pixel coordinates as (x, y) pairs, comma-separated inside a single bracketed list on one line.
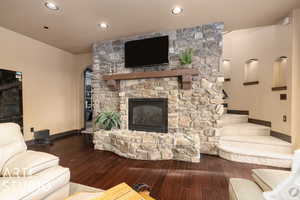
[(74, 27)]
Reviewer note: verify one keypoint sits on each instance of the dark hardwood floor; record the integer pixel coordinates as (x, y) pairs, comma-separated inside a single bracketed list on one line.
[(170, 180)]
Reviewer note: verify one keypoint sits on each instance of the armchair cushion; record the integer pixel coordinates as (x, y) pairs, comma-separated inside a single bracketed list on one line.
[(28, 163), (241, 189), (268, 179)]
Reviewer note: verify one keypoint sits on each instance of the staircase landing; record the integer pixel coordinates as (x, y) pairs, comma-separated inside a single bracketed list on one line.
[(241, 141)]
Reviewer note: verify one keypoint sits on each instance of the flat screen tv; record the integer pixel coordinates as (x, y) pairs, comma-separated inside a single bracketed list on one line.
[(147, 52)]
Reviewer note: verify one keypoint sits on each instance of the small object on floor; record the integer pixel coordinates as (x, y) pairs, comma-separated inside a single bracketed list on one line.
[(42, 137), (290, 188), (141, 187), (143, 190)]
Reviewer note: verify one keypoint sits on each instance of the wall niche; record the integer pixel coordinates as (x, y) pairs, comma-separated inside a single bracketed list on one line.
[(226, 69), (280, 74), (251, 72)]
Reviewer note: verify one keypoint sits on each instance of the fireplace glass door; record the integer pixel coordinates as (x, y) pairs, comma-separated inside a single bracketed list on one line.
[(148, 114)]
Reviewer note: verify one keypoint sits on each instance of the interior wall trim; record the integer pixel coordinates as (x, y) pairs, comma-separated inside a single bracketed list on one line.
[(279, 88), (276, 134), (238, 112), (251, 83), (64, 134), (260, 122), (56, 136), (281, 136)]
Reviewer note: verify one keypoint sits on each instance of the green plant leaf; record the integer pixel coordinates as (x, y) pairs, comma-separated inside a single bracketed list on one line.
[(186, 57), (109, 120)]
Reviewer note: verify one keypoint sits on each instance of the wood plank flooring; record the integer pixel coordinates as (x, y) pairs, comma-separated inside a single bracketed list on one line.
[(170, 180)]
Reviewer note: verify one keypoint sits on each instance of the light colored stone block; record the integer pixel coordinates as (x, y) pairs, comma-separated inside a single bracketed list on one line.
[(154, 146), (156, 155)]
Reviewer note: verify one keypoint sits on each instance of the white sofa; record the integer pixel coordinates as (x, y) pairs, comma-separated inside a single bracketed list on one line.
[(28, 175)]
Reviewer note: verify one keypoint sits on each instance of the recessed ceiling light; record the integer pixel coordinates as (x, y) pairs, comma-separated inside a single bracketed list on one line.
[(252, 60), (177, 10), (283, 58), (51, 5), (103, 25)]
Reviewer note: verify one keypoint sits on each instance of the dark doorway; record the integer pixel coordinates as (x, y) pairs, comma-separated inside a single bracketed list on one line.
[(11, 102), (88, 101)]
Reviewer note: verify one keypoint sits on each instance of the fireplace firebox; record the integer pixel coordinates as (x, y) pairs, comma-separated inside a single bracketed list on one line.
[(148, 114)]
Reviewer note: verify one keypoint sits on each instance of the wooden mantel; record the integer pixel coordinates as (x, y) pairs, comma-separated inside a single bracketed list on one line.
[(184, 75)]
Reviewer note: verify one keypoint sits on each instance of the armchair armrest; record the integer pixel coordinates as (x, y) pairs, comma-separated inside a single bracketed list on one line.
[(28, 163), (7, 151), (242, 189)]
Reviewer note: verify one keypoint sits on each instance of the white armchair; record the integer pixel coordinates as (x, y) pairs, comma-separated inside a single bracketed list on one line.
[(28, 175), (265, 180)]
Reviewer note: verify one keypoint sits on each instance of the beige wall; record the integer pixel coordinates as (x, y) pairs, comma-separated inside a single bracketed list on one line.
[(82, 61), (265, 44), (295, 110), (51, 78)]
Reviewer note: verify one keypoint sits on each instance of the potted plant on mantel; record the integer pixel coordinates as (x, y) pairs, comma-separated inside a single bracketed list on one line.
[(186, 58), (108, 120)]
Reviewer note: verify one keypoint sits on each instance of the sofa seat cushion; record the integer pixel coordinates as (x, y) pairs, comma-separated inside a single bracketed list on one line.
[(268, 179), (28, 163), (60, 194), (242, 189), (34, 187)]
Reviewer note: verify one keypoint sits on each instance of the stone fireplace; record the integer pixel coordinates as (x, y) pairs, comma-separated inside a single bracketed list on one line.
[(148, 114), (161, 117)]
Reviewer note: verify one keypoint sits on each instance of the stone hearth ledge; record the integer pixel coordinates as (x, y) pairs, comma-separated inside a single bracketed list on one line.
[(142, 145)]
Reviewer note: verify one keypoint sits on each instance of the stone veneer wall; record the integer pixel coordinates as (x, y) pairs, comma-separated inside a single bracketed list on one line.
[(149, 145), (191, 112)]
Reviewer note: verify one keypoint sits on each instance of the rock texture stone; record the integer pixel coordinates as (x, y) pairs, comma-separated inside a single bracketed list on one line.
[(284, 162), (149, 145), (192, 113)]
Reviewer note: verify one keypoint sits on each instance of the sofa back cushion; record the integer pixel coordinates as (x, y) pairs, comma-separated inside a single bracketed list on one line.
[(11, 142)]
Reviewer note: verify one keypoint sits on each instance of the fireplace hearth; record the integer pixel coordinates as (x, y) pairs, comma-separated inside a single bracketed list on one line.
[(148, 114)]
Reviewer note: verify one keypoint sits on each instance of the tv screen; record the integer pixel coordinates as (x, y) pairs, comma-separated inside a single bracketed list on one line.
[(147, 52)]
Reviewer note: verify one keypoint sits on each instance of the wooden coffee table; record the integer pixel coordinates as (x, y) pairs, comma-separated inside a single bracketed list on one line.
[(78, 188)]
